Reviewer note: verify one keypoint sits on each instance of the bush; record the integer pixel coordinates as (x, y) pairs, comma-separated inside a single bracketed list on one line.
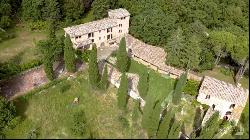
[(123, 121), (7, 112), (191, 87), (85, 55), (5, 35), (226, 71), (80, 126), (10, 68), (38, 25), (33, 134)]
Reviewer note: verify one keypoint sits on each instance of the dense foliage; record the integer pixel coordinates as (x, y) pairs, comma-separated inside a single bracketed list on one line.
[(122, 56), (93, 68), (104, 80), (7, 113), (143, 84), (79, 124), (69, 55), (122, 94), (179, 88)]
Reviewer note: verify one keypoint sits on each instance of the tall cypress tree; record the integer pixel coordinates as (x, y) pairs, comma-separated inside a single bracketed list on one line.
[(174, 132), (143, 84), (165, 125), (69, 55), (122, 56), (178, 88), (93, 67), (123, 92), (104, 80), (211, 127)]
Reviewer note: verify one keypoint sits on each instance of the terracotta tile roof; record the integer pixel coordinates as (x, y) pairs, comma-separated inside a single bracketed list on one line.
[(90, 27), (118, 13), (224, 91)]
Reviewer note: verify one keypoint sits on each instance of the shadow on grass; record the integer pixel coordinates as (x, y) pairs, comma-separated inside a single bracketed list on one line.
[(21, 105)]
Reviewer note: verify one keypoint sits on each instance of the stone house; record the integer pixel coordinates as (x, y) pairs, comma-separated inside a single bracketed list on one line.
[(101, 32), (226, 98)]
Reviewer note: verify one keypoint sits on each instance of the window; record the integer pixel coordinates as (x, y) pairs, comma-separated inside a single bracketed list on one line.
[(79, 36), (120, 25), (108, 37), (99, 31), (232, 106), (90, 35), (120, 31), (228, 113), (207, 97), (213, 106), (109, 30), (92, 40), (99, 38)]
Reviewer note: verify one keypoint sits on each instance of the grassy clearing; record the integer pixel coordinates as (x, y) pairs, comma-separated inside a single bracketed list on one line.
[(22, 47), (50, 111), (216, 73)]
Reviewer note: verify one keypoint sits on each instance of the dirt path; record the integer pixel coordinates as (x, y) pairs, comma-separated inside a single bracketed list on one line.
[(28, 80)]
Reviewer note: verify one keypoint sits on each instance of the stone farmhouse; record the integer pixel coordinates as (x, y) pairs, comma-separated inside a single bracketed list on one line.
[(229, 100), (226, 98), (102, 32)]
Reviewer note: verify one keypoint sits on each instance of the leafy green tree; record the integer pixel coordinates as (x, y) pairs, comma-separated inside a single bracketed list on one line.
[(165, 125), (122, 94), (122, 56), (143, 84), (69, 55), (222, 42), (240, 55), (191, 54), (73, 9), (52, 10), (100, 8), (7, 112), (5, 13), (104, 80), (211, 127), (173, 47), (179, 88), (93, 67)]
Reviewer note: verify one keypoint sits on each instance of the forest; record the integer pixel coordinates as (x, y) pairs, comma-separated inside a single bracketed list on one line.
[(196, 34)]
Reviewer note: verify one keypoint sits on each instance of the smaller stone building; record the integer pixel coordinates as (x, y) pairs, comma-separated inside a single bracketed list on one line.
[(101, 32), (226, 98)]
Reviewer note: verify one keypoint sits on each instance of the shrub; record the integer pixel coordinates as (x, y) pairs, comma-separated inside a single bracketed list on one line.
[(226, 71), (37, 25), (124, 121), (7, 112), (33, 134), (191, 87), (80, 126), (85, 55)]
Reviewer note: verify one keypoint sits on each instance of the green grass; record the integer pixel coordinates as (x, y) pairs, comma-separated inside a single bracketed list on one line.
[(216, 73), (50, 111), (22, 47)]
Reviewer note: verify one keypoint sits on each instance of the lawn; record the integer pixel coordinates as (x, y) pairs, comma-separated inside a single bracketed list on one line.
[(50, 111), (22, 47)]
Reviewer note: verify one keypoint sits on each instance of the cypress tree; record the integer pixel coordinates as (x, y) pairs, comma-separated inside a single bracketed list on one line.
[(104, 80), (122, 56), (46, 49), (93, 68), (211, 127), (123, 92), (154, 119), (174, 132), (143, 84), (136, 110), (165, 125), (69, 55), (178, 88)]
